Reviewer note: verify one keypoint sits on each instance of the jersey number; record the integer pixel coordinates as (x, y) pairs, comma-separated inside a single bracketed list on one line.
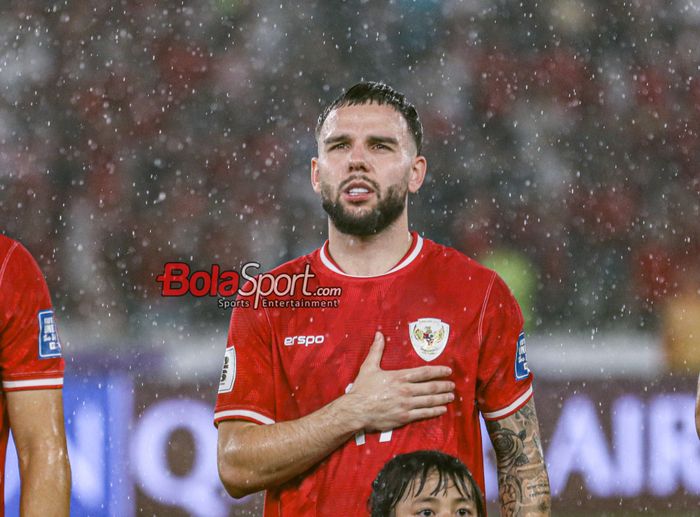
[(385, 436)]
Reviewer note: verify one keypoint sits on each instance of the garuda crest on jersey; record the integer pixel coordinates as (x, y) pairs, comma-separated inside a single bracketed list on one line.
[(428, 337)]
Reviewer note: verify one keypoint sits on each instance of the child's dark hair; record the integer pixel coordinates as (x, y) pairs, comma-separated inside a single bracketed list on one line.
[(407, 474), (369, 92)]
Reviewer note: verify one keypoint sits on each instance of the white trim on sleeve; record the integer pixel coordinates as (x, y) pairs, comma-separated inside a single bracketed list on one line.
[(518, 402), (32, 383), (244, 412)]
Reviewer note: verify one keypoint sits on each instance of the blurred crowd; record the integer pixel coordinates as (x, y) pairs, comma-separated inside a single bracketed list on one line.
[(561, 138)]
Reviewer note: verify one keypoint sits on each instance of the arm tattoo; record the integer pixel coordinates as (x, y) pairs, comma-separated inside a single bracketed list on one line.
[(523, 484)]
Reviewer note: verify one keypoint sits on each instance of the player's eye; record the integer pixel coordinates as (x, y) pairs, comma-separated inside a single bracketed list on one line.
[(340, 145), (464, 511), (427, 512), (381, 146)]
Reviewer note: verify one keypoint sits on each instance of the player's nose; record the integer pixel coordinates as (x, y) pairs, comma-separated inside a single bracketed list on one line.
[(357, 159), (357, 166)]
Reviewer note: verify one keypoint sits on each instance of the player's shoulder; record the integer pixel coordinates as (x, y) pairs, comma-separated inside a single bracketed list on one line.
[(458, 267), (20, 276), (7, 245), (15, 259), (455, 262)]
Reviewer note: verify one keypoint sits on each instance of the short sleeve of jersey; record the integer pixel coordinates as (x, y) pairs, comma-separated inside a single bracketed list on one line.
[(30, 352), (246, 387), (504, 382)]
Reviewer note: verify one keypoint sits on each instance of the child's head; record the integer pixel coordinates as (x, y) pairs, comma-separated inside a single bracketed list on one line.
[(425, 483)]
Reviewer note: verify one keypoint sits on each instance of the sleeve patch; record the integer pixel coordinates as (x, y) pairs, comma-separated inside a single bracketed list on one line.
[(522, 371), (228, 371), (49, 345)]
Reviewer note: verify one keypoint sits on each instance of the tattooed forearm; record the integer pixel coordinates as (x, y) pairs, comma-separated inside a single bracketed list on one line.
[(523, 484)]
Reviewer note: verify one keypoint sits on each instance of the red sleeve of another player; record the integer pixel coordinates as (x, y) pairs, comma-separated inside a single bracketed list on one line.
[(504, 382), (246, 387), (30, 352)]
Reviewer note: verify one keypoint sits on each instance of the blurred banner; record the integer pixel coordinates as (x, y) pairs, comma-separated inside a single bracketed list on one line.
[(615, 445), (150, 448)]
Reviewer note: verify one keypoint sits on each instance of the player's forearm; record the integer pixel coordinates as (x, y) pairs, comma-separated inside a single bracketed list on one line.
[(257, 457), (45, 482), (523, 484)]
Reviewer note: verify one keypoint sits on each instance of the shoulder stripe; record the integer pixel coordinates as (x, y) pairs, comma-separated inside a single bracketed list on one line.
[(7, 259), (511, 408), (32, 383), (232, 413), (483, 310)]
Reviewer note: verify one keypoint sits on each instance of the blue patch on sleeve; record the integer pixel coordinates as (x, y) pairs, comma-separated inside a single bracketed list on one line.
[(49, 346), (521, 369)]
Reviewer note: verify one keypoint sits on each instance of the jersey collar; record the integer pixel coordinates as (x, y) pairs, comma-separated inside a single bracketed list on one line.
[(409, 257)]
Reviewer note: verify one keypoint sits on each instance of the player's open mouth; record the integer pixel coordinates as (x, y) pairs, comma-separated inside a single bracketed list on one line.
[(358, 191)]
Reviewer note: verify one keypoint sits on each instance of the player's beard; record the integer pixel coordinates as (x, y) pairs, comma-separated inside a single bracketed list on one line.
[(389, 207)]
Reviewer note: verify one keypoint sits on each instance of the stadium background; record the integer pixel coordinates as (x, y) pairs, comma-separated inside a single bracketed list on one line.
[(562, 142)]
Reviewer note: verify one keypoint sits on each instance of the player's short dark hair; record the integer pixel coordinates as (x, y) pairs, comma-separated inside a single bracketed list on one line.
[(408, 473), (368, 92)]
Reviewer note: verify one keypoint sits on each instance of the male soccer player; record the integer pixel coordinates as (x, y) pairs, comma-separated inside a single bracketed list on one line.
[(429, 483), (313, 402), (32, 377)]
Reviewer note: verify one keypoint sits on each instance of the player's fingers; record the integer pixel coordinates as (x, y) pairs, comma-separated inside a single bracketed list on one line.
[(423, 413), (429, 401), (374, 356), (425, 373), (431, 387)]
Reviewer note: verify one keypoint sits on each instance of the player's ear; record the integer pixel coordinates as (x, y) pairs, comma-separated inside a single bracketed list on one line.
[(315, 182), (417, 176)]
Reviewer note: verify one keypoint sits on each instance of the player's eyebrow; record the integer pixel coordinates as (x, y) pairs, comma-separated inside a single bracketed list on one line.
[(372, 139), (382, 140), (337, 138)]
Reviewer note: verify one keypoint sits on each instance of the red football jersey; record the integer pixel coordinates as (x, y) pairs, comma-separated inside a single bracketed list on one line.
[(436, 307), (30, 353)]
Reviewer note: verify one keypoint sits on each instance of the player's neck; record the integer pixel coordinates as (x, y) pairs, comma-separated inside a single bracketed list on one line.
[(373, 255)]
